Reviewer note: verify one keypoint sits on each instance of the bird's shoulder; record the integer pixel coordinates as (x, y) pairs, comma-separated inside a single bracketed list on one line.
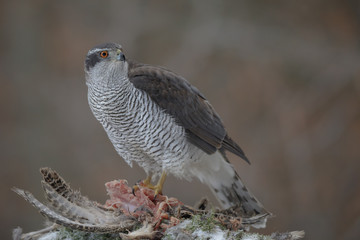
[(177, 97), (150, 77), (185, 103)]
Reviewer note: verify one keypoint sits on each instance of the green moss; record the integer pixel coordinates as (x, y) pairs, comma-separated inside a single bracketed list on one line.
[(206, 223), (66, 233)]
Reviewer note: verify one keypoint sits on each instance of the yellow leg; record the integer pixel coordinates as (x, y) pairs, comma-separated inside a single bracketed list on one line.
[(159, 186), (147, 183)]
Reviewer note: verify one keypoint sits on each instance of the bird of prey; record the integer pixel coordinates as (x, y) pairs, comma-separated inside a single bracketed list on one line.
[(157, 119)]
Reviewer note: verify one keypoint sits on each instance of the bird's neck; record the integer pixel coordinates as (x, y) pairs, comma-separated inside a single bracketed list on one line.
[(105, 84), (108, 96)]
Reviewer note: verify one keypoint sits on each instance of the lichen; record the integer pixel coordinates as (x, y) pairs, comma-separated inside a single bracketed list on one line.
[(66, 233), (206, 227), (206, 223)]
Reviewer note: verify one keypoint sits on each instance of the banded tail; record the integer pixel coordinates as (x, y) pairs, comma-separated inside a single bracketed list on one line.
[(215, 171)]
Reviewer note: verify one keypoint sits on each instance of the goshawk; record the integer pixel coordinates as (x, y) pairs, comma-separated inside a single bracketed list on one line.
[(157, 119)]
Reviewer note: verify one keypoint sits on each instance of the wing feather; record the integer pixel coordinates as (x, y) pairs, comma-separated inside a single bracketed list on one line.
[(186, 105)]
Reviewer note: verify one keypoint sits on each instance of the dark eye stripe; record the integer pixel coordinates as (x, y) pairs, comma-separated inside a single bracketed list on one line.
[(91, 60)]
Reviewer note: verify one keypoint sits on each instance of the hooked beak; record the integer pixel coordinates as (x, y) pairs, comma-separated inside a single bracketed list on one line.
[(120, 56)]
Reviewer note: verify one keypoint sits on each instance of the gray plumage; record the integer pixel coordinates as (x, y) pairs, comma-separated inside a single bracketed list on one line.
[(155, 118)]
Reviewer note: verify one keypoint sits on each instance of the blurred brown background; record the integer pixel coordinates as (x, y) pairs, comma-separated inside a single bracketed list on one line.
[(284, 77)]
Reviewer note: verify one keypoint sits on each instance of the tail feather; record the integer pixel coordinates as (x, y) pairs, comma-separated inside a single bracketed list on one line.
[(215, 171), (235, 193)]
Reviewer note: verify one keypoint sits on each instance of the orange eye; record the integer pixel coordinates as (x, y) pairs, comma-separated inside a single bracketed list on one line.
[(104, 54)]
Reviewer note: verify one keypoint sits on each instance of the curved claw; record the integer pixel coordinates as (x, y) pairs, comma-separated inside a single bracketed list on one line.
[(134, 188), (145, 183)]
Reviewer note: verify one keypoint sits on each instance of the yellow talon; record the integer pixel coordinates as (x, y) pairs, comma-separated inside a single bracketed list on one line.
[(147, 183)]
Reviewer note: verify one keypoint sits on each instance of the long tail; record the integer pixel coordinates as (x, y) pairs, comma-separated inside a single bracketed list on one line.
[(215, 171), (233, 193)]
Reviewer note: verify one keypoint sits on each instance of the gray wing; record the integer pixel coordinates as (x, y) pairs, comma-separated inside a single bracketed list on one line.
[(186, 105)]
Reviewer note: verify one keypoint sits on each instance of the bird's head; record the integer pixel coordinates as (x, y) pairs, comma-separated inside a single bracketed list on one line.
[(105, 62)]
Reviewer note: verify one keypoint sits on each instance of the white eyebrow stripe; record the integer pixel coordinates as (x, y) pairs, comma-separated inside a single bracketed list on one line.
[(98, 49)]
